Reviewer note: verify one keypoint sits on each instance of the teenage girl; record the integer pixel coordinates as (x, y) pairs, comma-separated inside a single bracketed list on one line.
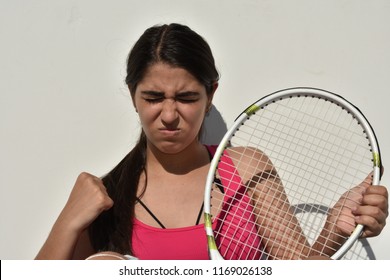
[(150, 205)]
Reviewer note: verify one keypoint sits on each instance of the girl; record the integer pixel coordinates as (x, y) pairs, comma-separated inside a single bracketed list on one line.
[(150, 205)]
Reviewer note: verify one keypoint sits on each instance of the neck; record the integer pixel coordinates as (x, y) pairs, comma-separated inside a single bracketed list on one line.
[(192, 157)]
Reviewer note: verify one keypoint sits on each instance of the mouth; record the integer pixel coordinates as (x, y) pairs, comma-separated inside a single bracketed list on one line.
[(169, 131)]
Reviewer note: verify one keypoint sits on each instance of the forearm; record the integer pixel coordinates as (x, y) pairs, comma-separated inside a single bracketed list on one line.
[(60, 244), (328, 242), (69, 237)]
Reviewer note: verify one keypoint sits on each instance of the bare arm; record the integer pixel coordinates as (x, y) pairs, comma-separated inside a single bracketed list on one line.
[(60, 244), (68, 238), (279, 229)]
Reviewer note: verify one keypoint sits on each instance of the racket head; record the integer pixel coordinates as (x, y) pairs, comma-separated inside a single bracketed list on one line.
[(270, 126)]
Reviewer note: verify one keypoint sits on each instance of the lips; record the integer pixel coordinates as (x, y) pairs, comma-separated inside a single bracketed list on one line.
[(169, 131)]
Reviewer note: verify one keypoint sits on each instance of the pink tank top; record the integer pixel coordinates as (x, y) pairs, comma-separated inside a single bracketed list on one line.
[(190, 243), (151, 243)]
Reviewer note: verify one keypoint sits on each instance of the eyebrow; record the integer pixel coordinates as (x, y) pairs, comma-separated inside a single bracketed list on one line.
[(188, 94), (179, 94), (152, 92)]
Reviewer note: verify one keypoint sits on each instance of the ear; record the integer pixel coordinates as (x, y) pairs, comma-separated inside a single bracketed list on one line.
[(215, 86)]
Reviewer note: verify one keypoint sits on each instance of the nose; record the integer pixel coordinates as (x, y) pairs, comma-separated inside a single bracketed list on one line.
[(169, 114)]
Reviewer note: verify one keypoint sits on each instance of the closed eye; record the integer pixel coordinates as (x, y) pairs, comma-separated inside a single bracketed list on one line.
[(154, 100), (182, 97), (153, 96), (187, 97)]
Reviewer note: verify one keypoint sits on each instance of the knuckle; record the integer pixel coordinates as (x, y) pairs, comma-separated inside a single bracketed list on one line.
[(86, 177), (103, 199), (83, 175)]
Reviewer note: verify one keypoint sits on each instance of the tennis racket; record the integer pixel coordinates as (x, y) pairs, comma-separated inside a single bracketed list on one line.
[(286, 175)]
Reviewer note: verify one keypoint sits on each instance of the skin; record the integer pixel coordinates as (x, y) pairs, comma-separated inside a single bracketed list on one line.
[(172, 104)]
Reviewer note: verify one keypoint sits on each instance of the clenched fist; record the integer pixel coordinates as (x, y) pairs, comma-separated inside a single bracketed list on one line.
[(87, 200)]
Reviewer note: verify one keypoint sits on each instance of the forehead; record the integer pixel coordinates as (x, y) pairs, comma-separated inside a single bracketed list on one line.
[(164, 77)]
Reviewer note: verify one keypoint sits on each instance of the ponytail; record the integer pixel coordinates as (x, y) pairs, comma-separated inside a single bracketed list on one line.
[(112, 230)]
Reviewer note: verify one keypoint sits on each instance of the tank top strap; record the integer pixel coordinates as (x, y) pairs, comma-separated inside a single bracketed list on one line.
[(229, 175), (150, 212)]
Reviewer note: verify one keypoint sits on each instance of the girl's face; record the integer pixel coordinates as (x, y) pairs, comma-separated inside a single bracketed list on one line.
[(171, 104)]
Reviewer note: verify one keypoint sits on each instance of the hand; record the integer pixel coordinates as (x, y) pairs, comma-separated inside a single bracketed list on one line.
[(364, 204), (373, 210), (87, 200)]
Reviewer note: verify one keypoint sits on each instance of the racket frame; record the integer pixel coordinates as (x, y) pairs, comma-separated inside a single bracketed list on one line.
[(258, 105)]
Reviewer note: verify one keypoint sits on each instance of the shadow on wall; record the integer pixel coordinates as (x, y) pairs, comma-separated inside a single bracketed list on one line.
[(214, 127)]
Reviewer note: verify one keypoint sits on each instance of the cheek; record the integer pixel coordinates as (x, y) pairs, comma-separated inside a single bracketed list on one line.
[(145, 118), (196, 117)]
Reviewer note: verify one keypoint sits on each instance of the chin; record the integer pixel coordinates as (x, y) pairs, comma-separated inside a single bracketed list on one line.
[(172, 148)]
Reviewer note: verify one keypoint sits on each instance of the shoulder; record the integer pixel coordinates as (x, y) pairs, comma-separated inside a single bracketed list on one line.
[(249, 161), (238, 152), (248, 155)]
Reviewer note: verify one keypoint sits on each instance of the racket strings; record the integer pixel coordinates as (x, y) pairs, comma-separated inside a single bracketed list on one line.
[(322, 127), (330, 155), (280, 235), (253, 224), (311, 150)]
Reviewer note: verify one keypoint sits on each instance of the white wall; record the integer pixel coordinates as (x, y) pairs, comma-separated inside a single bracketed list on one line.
[(64, 107)]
